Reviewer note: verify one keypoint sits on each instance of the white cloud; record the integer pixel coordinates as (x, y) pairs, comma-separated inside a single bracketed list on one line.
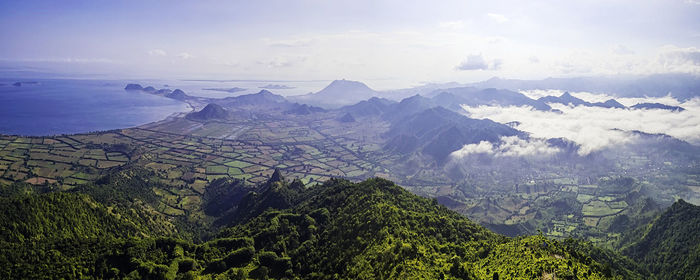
[(497, 17), (675, 59), (282, 62), (290, 43), (484, 147), (568, 67), (508, 146), (622, 50), (596, 128), (601, 97), (157, 52), (477, 62), (184, 55)]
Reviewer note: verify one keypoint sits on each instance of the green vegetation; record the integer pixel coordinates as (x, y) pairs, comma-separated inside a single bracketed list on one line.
[(669, 246), (338, 230), (184, 184)]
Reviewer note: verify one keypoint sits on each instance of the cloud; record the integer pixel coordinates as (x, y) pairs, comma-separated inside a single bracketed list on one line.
[(477, 62), (293, 43), (622, 50), (673, 58), (601, 97), (496, 64), (508, 146), (596, 128), (534, 59), (484, 147), (282, 62), (568, 67), (497, 17), (157, 52), (184, 55)]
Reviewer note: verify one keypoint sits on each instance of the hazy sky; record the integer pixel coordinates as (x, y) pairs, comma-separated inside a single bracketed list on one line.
[(384, 43)]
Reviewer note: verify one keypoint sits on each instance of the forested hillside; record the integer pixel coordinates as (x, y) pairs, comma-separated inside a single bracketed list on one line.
[(669, 246), (338, 230)]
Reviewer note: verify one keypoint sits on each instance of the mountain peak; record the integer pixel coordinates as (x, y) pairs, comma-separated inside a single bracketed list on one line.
[(339, 93), (276, 176), (347, 85), (264, 92), (211, 111)]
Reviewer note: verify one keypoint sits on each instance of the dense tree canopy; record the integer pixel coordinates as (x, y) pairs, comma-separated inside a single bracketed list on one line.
[(338, 230)]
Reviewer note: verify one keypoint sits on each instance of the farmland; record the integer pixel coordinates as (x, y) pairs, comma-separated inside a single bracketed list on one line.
[(561, 199)]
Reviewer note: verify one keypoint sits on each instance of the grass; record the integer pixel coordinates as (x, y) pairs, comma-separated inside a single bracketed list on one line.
[(598, 208), (584, 198), (217, 169), (237, 164)]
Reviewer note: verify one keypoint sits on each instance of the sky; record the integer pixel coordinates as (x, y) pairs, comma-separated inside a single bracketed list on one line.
[(386, 44)]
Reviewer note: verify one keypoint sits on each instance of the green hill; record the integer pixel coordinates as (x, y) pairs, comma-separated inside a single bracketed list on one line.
[(59, 216), (338, 230), (670, 247)]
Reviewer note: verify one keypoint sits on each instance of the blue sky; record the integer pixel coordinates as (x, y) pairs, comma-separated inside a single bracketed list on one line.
[(395, 43)]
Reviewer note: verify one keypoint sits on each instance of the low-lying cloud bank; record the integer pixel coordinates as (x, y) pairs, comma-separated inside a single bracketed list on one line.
[(596, 128), (602, 97), (509, 146)]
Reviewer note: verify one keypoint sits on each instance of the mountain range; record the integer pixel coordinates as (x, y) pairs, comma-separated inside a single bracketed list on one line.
[(681, 86)]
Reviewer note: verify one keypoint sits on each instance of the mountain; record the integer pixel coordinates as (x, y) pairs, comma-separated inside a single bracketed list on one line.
[(657, 106), (425, 90), (681, 86), (337, 94), (302, 109), (566, 99), (20, 84), (149, 89), (408, 106), (669, 246), (474, 97), (44, 218), (222, 196), (437, 132), (229, 90), (177, 94), (133, 87), (347, 118), (610, 103), (211, 111), (449, 101), (262, 98), (368, 230), (163, 91), (372, 107)]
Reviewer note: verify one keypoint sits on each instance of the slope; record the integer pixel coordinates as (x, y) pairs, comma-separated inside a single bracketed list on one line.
[(670, 247), (339, 230), (437, 132)]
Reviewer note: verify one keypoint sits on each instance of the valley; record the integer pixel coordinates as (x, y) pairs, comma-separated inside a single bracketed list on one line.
[(564, 195), (329, 140)]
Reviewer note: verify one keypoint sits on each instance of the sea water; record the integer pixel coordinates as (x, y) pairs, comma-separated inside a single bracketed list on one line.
[(56, 106)]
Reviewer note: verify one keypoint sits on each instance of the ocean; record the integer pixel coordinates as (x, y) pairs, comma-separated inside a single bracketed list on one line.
[(41, 107)]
